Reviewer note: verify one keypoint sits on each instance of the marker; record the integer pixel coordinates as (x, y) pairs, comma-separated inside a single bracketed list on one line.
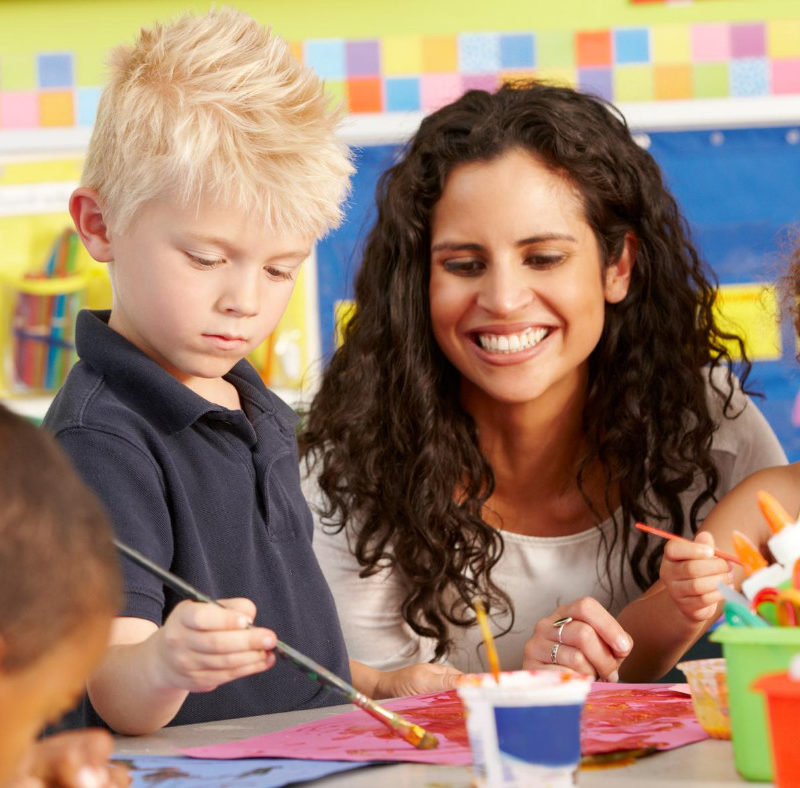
[(760, 574), (784, 543), (751, 558), (737, 609), (667, 535), (776, 516)]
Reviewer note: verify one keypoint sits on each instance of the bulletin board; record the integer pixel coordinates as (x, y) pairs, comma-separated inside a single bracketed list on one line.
[(739, 190)]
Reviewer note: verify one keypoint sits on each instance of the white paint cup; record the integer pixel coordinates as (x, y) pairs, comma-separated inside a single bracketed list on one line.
[(524, 730)]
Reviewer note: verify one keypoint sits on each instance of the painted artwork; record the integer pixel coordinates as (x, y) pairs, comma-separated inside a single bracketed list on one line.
[(616, 717)]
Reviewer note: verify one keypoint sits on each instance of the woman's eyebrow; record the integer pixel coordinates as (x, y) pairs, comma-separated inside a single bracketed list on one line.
[(456, 246)]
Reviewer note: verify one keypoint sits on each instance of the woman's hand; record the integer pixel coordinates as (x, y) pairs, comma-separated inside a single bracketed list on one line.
[(416, 679), (582, 636), (691, 572)]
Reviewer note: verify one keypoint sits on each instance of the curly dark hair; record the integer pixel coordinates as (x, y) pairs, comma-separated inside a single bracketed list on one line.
[(393, 449)]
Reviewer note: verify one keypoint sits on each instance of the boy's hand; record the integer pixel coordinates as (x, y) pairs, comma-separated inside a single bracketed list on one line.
[(691, 572), (201, 646), (591, 642), (415, 680), (76, 759)]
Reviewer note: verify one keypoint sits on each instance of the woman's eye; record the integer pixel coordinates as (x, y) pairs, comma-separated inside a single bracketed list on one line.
[(545, 260), (463, 267)]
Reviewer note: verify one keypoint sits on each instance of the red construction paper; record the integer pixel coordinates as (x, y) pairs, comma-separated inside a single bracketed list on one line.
[(616, 717)]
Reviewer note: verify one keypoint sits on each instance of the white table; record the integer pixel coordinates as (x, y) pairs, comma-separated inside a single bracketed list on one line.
[(701, 765)]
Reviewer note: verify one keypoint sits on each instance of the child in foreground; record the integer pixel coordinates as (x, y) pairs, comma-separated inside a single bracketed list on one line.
[(212, 169), (690, 573), (59, 589)]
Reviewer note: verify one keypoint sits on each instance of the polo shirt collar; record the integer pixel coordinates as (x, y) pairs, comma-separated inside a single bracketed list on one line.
[(146, 386)]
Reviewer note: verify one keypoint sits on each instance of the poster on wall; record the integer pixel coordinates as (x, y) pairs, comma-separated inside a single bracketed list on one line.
[(740, 192)]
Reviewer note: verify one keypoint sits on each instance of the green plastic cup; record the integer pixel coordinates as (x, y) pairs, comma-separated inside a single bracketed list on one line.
[(749, 653)]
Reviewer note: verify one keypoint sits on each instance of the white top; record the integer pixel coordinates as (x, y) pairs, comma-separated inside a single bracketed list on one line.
[(538, 573)]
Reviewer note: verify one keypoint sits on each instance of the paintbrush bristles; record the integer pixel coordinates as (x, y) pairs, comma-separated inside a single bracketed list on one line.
[(428, 742), (410, 731)]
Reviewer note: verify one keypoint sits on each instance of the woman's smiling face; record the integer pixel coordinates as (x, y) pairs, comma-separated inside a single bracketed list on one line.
[(517, 284)]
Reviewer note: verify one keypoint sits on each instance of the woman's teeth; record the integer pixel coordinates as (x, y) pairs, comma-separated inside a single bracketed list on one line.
[(512, 343)]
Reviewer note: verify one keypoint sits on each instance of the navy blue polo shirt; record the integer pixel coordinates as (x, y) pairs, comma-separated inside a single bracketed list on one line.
[(214, 495)]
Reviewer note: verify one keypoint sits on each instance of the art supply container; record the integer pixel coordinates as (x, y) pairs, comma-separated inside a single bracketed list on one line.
[(38, 319), (708, 684), (782, 691), (749, 653), (525, 729)]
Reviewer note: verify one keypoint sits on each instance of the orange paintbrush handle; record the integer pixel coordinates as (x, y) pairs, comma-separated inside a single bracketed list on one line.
[(667, 535)]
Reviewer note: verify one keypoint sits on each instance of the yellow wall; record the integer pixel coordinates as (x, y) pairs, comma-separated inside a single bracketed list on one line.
[(98, 24), (89, 28)]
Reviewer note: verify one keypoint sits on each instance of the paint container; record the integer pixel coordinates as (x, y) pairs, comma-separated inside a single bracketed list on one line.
[(783, 703), (708, 684), (525, 729), (749, 653)]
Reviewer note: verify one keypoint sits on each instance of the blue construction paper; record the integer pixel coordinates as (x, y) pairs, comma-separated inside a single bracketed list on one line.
[(517, 50), (175, 771), (631, 45), (327, 57), (55, 70), (402, 94), (479, 53)]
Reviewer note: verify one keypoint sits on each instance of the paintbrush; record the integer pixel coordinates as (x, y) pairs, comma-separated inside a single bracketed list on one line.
[(667, 535), (486, 632), (411, 732)]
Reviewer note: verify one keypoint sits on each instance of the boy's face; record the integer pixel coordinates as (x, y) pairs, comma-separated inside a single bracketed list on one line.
[(40, 693), (199, 289)]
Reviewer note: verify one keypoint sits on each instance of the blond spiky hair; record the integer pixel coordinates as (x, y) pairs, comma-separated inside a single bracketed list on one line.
[(215, 106)]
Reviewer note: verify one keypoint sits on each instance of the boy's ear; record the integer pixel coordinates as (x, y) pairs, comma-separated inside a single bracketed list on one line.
[(618, 274), (87, 215)]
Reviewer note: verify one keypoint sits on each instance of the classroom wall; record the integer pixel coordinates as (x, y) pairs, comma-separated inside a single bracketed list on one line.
[(390, 63)]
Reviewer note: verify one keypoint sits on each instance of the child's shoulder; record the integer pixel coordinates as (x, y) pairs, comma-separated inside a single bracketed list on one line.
[(87, 403), (782, 481), (740, 505)]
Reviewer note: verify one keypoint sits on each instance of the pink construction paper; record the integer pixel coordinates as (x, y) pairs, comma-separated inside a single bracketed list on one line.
[(19, 110), (786, 79), (616, 717), (440, 89), (711, 42), (748, 40)]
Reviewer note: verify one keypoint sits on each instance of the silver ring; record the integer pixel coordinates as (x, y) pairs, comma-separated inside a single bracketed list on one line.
[(560, 624), (554, 653)]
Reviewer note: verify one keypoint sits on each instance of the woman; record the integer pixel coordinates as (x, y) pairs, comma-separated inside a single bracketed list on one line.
[(533, 366)]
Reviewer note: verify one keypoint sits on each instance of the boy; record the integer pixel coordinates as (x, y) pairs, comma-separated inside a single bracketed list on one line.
[(59, 589), (212, 168)]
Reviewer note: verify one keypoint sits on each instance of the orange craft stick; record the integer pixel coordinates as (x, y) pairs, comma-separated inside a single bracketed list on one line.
[(776, 516), (751, 559), (667, 535)]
